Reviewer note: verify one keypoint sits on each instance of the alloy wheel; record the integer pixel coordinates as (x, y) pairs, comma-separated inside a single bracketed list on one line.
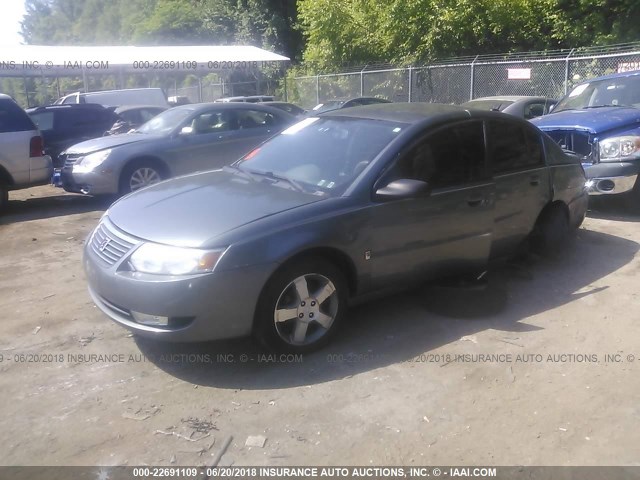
[(306, 309)]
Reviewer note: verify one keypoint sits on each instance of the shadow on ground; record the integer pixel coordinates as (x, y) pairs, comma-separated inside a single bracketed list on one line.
[(41, 207), (400, 327), (612, 208)]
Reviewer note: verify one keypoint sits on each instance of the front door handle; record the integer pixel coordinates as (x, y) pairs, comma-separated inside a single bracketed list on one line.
[(534, 180)]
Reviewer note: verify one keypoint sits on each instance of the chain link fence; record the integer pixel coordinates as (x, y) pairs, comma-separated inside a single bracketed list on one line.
[(550, 74)]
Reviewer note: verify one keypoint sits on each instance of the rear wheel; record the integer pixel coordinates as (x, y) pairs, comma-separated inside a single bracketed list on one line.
[(301, 307), (551, 231), (138, 175)]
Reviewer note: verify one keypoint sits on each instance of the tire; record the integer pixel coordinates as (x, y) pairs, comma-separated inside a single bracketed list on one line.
[(551, 231), (4, 197), (285, 322), (140, 174)]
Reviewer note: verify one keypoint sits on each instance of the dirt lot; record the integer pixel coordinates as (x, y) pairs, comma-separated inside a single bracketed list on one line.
[(396, 387)]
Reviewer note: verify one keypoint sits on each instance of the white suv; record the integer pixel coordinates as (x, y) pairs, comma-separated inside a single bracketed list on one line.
[(22, 160)]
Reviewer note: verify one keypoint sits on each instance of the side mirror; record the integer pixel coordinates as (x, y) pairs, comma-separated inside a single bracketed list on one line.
[(403, 188), (186, 131)]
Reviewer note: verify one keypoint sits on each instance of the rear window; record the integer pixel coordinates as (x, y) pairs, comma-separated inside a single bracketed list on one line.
[(13, 118), (43, 120)]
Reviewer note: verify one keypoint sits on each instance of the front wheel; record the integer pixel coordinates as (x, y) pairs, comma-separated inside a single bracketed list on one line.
[(301, 307), (139, 175)]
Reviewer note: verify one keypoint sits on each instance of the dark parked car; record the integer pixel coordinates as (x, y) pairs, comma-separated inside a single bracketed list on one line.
[(353, 102), (287, 107), (180, 140), (65, 125), (599, 121), (520, 106), (132, 116), (335, 208)]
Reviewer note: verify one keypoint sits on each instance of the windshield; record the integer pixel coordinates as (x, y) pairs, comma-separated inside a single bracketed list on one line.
[(165, 122), (323, 155), (616, 92)]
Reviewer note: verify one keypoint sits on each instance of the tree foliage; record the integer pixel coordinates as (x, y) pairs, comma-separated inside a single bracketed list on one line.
[(415, 31)]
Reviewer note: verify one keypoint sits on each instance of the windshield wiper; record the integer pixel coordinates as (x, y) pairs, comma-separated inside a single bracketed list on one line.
[(274, 176), (235, 169), (606, 105)]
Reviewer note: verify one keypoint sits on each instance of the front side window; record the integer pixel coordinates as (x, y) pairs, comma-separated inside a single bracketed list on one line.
[(213, 122), (256, 119), (452, 156), (166, 122), (513, 147)]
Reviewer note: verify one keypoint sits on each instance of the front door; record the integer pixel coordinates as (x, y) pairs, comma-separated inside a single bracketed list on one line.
[(447, 232)]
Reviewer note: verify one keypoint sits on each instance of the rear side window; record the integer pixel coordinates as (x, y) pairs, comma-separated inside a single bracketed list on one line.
[(513, 147), (13, 118)]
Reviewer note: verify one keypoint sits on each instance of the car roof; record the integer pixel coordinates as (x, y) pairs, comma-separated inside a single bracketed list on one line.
[(198, 107), (126, 108), (5, 97), (510, 98), (76, 106), (400, 112)]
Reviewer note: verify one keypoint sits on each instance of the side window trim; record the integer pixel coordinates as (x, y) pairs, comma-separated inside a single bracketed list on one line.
[(485, 178)]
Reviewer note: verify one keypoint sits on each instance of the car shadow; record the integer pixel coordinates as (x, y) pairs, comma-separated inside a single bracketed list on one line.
[(49, 206), (607, 208), (401, 327)]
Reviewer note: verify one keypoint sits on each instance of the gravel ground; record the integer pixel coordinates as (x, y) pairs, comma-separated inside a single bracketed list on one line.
[(540, 368)]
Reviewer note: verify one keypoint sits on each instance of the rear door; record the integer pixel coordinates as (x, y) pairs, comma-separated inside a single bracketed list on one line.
[(521, 180), (447, 232)]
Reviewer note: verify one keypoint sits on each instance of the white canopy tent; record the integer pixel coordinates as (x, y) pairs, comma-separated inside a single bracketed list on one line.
[(40, 61), (52, 61)]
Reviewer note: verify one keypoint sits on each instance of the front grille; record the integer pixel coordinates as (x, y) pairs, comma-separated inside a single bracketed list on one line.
[(108, 244), (69, 159), (577, 142)]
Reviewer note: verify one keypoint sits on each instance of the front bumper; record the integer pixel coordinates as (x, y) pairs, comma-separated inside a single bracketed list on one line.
[(91, 183), (611, 178), (195, 307)]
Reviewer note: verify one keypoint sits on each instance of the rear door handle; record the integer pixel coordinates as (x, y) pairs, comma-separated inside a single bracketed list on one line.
[(534, 180), (475, 201)]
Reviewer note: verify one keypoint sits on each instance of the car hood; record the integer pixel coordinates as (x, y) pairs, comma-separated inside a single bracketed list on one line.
[(102, 143), (193, 210), (592, 120)]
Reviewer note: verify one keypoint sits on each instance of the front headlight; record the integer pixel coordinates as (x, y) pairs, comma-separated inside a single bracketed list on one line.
[(91, 161), (166, 260), (617, 149)]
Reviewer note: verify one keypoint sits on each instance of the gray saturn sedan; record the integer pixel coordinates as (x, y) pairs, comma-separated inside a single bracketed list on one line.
[(335, 208), (181, 140)]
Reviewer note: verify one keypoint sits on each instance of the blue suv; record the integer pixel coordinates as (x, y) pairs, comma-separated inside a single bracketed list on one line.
[(599, 121)]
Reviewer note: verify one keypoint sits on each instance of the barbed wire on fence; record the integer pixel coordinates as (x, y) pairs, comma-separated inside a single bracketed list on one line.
[(456, 80)]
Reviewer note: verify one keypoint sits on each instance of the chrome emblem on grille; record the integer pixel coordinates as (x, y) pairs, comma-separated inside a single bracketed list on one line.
[(104, 244)]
